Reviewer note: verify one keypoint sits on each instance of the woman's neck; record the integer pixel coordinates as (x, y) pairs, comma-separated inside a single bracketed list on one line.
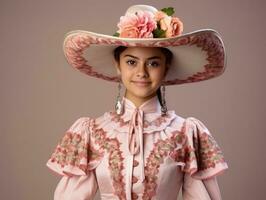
[(138, 101)]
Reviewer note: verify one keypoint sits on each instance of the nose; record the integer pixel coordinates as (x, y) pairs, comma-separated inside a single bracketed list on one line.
[(141, 70)]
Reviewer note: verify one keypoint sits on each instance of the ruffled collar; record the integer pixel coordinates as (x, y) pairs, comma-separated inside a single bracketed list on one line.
[(152, 118)]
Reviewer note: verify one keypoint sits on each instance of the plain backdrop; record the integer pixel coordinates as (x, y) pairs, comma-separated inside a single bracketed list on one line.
[(41, 95)]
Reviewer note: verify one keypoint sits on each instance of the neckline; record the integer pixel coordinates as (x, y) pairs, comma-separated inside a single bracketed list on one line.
[(149, 106)]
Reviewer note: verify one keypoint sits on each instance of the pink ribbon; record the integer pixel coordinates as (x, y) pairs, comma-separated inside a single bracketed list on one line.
[(135, 138)]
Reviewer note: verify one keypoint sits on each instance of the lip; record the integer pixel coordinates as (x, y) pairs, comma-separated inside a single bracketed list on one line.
[(141, 83)]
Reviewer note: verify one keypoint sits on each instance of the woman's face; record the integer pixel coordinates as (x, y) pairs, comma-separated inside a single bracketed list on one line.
[(142, 70)]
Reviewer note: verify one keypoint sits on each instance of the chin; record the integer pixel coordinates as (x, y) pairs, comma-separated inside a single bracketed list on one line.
[(141, 93)]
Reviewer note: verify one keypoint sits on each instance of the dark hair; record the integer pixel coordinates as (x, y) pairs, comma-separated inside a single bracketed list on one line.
[(117, 51), (168, 57), (167, 53)]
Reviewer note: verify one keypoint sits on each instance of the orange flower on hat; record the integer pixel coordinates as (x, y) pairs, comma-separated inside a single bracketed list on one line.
[(159, 15), (176, 27), (172, 26)]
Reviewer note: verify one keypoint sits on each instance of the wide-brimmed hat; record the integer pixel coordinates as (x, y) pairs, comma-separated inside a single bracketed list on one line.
[(197, 56)]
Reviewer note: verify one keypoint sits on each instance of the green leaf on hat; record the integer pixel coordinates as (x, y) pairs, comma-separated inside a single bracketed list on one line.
[(116, 34), (158, 33), (169, 11)]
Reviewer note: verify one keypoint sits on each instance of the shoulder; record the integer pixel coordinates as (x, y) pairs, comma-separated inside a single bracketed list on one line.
[(195, 125), (70, 156), (88, 125), (80, 124), (187, 125), (175, 121), (110, 120), (179, 119), (88, 122), (81, 121)]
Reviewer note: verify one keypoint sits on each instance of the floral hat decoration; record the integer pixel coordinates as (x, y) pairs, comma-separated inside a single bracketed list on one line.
[(197, 56)]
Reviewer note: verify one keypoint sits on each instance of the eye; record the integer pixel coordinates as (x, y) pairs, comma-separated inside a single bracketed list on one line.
[(153, 63), (131, 62)]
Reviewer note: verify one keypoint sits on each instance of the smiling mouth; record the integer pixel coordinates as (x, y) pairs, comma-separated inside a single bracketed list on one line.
[(141, 83)]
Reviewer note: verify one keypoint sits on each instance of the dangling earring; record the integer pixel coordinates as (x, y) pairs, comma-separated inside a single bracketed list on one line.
[(163, 107), (119, 105)]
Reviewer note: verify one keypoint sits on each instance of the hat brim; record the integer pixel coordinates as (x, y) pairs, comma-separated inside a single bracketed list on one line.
[(197, 56)]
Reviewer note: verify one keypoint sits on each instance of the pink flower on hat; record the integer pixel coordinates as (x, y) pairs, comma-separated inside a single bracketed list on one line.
[(146, 24), (171, 25), (138, 25)]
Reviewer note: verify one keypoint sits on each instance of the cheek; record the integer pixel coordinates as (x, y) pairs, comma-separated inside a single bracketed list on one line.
[(125, 76), (159, 75)]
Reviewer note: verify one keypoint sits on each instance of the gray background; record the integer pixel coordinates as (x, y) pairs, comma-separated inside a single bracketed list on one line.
[(41, 95)]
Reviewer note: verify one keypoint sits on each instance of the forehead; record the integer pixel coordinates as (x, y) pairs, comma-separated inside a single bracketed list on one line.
[(143, 52)]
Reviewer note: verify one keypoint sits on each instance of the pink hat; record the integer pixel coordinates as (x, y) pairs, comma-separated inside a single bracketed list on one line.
[(197, 56)]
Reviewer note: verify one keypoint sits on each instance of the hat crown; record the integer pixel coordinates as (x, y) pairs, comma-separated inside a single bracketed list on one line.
[(135, 8)]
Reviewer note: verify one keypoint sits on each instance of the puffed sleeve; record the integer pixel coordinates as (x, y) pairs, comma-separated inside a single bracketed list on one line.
[(75, 159), (202, 157)]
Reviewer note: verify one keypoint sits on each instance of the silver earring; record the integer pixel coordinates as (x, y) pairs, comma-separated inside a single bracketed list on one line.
[(163, 107), (119, 106)]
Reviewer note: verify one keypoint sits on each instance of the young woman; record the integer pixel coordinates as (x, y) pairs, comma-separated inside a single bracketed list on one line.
[(141, 150)]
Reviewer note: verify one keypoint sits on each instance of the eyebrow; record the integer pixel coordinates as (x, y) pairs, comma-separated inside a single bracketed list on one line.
[(153, 57)]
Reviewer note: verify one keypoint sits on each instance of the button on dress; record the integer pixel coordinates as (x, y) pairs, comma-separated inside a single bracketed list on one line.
[(139, 154)]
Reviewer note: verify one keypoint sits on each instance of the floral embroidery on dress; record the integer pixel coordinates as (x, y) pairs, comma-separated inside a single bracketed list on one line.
[(112, 146), (204, 150), (94, 154), (184, 154), (117, 118), (71, 150), (157, 122), (162, 149), (209, 154)]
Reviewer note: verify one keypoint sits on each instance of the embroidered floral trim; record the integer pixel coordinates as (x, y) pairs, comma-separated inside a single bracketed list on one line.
[(157, 122), (162, 149), (112, 146), (77, 44), (215, 57), (94, 154), (71, 150), (118, 119), (209, 153), (122, 122), (205, 152)]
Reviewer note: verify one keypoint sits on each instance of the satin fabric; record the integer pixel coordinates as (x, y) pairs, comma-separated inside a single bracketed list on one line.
[(136, 155)]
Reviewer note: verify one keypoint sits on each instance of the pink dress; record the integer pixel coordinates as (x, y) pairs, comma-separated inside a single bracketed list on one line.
[(137, 155)]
